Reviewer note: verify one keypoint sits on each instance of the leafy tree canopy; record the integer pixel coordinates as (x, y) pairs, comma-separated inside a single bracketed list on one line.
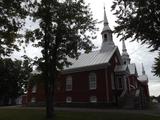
[(63, 28), (14, 76), (12, 15), (139, 20)]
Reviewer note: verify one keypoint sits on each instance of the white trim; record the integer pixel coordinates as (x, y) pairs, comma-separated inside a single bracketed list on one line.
[(85, 68), (132, 86)]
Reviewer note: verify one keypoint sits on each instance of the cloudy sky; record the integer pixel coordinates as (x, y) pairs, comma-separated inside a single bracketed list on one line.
[(138, 53)]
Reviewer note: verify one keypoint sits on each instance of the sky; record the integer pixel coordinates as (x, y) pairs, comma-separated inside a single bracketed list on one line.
[(138, 53)]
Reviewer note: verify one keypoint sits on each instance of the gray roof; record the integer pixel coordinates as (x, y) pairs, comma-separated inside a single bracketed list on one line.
[(143, 78), (132, 69), (94, 58), (120, 68), (36, 72)]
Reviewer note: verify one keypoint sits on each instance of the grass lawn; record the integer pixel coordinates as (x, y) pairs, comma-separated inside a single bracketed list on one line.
[(39, 114)]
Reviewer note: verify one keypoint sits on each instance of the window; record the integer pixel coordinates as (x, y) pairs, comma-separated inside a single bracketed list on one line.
[(93, 99), (119, 82), (116, 60), (112, 80), (33, 100), (69, 83), (105, 36), (34, 89), (68, 99), (92, 81)]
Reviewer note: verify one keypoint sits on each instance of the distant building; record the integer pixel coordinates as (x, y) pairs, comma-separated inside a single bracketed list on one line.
[(99, 77)]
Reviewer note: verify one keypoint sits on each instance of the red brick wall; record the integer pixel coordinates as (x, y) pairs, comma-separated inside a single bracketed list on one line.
[(39, 95), (80, 90)]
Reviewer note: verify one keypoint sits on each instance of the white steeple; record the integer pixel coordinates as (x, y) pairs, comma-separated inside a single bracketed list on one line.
[(143, 71), (105, 22), (125, 55), (106, 35)]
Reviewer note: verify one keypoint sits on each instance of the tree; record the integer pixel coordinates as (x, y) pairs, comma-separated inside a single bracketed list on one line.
[(12, 18), (139, 20), (156, 66), (14, 76), (62, 35)]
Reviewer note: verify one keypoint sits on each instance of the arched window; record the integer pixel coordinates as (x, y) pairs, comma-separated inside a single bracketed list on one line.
[(34, 89), (69, 83), (105, 36), (92, 81)]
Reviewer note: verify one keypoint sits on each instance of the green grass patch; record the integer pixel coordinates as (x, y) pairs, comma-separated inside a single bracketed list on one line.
[(39, 114)]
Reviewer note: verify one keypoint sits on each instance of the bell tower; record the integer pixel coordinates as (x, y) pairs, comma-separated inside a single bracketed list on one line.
[(107, 40)]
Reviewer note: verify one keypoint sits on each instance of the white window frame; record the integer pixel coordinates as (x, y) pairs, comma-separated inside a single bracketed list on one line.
[(69, 83), (92, 81), (34, 89), (93, 99), (68, 99)]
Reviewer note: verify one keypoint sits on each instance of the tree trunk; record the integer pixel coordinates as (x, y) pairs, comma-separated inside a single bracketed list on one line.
[(49, 101), (50, 93), (50, 78)]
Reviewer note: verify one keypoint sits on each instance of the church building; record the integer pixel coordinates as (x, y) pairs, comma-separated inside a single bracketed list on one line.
[(102, 77)]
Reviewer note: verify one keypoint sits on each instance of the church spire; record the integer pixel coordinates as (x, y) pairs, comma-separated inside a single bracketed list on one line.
[(125, 55), (106, 35), (105, 18), (143, 71), (124, 50), (105, 22)]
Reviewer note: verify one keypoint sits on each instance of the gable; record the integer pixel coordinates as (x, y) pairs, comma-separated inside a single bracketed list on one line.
[(132, 69)]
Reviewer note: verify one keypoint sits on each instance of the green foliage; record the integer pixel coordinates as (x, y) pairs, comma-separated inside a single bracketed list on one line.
[(138, 20), (63, 28), (12, 15), (14, 77), (156, 66)]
